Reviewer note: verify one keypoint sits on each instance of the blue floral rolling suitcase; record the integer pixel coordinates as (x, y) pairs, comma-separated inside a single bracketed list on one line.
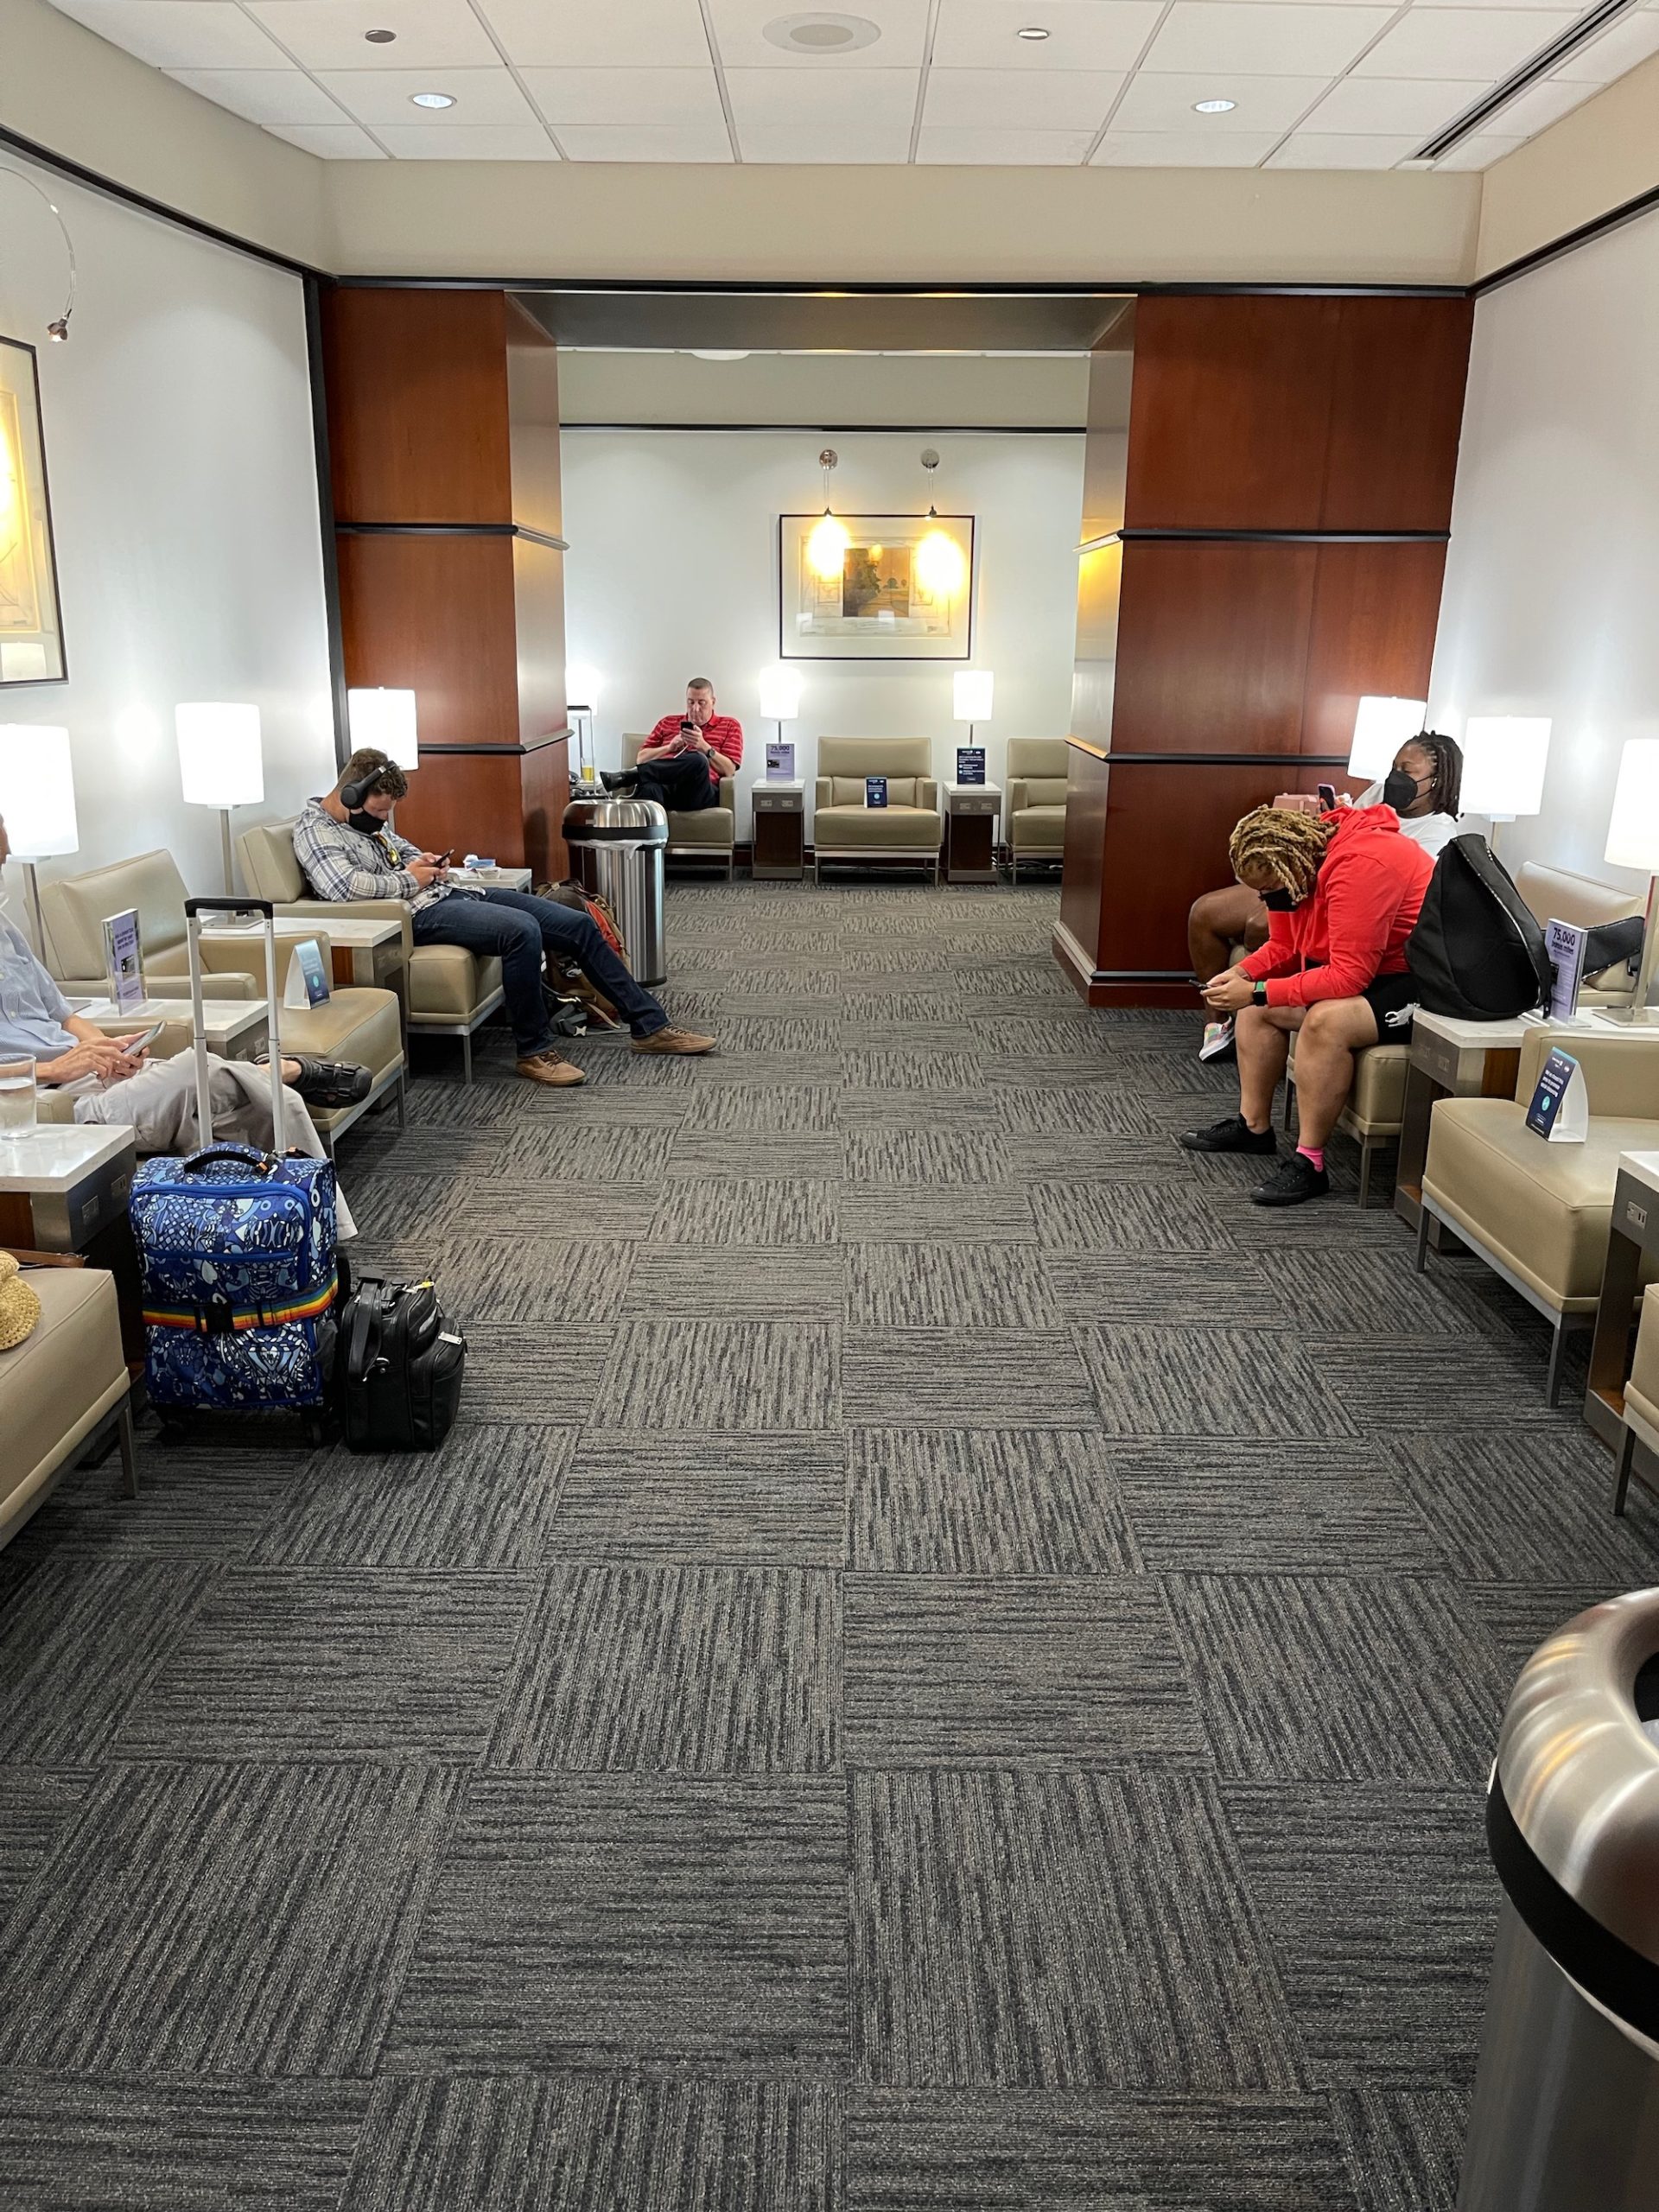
[(237, 1250)]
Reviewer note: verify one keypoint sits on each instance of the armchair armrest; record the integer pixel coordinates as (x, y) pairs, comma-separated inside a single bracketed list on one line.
[(219, 983), (728, 793), (355, 910), (821, 792), (1621, 1074), (927, 792), (1018, 800)]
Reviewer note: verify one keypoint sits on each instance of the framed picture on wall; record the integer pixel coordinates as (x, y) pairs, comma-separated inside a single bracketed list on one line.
[(900, 588), (31, 630)]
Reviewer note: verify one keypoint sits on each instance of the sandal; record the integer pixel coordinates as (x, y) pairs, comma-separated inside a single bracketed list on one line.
[(326, 1083)]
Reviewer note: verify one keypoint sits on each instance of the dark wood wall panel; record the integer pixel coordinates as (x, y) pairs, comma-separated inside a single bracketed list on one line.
[(1396, 410), (544, 794), (1375, 611), (1211, 646), (436, 614), (473, 801), (1081, 901), (538, 614), (416, 385)]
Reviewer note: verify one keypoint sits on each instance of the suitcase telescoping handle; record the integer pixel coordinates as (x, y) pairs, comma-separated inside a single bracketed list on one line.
[(194, 910)]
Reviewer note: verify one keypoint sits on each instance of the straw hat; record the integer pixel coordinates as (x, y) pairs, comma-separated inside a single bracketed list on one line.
[(19, 1307)]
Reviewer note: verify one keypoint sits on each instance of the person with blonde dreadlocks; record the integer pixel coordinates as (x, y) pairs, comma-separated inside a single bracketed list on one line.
[(1342, 892)]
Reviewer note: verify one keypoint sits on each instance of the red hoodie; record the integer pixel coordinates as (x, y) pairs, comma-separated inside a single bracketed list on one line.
[(1363, 906)]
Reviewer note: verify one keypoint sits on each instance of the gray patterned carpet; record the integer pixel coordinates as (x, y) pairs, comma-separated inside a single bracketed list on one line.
[(951, 1663)]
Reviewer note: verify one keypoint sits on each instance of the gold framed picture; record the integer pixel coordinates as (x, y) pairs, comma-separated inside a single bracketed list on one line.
[(31, 628), (876, 588)]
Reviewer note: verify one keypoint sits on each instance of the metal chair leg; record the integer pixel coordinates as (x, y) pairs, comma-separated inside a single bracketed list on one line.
[(1420, 1258), (1557, 1346), (124, 1439), (1626, 1456), (467, 1057), (1366, 1148)]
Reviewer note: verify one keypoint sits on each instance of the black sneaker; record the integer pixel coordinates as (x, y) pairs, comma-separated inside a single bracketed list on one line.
[(1293, 1181), (618, 780), (1234, 1135)]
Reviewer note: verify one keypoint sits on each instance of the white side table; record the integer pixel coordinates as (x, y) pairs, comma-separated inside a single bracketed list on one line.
[(63, 1183), (1450, 1058), (499, 879), (236, 1028), (778, 851), (971, 814)]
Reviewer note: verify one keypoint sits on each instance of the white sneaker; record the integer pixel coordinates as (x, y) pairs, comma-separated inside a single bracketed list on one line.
[(1218, 1039)]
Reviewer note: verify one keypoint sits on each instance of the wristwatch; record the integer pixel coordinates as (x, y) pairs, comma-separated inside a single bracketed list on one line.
[(1258, 994)]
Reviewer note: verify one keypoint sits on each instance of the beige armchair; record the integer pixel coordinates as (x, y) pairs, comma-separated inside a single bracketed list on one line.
[(1538, 1213), (66, 1381), (711, 833), (1035, 806), (909, 828), (75, 908), (1375, 1106), (1640, 1396), (1556, 894), (451, 991)]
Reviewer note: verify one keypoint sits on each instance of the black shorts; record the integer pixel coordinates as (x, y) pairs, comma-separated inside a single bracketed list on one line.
[(1391, 999)]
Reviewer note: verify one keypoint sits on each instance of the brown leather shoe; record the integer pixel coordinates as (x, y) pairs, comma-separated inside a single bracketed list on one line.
[(673, 1040), (547, 1067)]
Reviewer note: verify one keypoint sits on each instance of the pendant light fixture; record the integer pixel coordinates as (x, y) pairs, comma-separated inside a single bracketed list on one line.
[(826, 548), (941, 568)]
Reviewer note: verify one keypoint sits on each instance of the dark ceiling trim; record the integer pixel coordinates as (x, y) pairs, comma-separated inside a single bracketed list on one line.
[(935, 430), (1287, 760), (1152, 536), (799, 288), (454, 530), (1599, 226)]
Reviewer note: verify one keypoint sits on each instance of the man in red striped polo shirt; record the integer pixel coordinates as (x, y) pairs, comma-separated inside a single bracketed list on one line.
[(681, 763)]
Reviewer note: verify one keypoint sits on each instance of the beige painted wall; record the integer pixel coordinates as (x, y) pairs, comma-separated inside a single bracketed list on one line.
[(866, 388), (1604, 154)]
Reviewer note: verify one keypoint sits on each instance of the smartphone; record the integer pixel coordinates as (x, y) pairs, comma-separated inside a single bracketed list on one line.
[(1328, 797), (144, 1040)]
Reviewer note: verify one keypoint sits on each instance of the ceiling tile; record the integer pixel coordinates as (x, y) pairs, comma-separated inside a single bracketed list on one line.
[(1620, 47), (1548, 5), (1174, 149), (1154, 102), (1540, 106), (330, 34), (625, 98), (501, 141), (618, 34), (1021, 99), (1242, 37), (676, 142), (740, 25), (333, 142), (1081, 34), (179, 34), (874, 99), (779, 145), (1480, 152), (1320, 150), (262, 95), (946, 143), (383, 96), (1392, 103), (1484, 43)]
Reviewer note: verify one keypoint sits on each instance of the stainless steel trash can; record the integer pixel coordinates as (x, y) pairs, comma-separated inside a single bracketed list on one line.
[(1566, 2115), (616, 848)]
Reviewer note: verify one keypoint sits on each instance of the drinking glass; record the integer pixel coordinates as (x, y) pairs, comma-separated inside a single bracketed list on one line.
[(17, 1098)]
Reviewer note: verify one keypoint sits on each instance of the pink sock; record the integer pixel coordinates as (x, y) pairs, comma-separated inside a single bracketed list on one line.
[(1315, 1152)]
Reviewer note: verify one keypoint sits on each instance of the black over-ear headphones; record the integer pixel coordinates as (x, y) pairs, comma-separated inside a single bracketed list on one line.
[(352, 795)]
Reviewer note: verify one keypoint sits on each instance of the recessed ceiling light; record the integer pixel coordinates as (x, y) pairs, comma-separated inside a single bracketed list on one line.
[(821, 33), (380, 38), (1214, 107), (438, 99), (1032, 30), (720, 353)]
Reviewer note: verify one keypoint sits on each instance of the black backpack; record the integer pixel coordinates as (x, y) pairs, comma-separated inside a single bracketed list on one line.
[(397, 1367), (1478, 951)]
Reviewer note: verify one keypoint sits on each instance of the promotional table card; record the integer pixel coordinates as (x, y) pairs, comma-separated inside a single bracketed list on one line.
[(124, 959), (875, 791), (970, 764), (780, 762), (1565, 942), (307, 975), (1559, 1111)]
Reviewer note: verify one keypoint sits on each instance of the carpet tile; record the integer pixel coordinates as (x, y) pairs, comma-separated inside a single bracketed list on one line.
[(79, 1642), (1208, 1383), (744, 1209), (742, 1500), (974, 1378), (992, 1501), (1405, 2146), (948, 1286), (34, 1803), (1541, 1511), (1243, 1507), (1141, 1217), (685, 1374)]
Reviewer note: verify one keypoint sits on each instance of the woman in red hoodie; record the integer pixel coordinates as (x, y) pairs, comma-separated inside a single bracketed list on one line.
[(1343, 893)]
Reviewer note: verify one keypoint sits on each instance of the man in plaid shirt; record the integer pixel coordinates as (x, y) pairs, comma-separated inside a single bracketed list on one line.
[(681, 763), (346, 851)]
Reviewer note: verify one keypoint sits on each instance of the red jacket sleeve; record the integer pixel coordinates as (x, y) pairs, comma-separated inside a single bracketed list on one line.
[(1277, 957), (1362, 897)]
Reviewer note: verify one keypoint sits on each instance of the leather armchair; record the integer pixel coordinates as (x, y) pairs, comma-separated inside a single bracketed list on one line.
[(65, 1382), (1034, 808), (711, 833), (1538, 1213), (1556, 894), (1376, 1106), (75, 908), (1640, 1396), (909, 828)]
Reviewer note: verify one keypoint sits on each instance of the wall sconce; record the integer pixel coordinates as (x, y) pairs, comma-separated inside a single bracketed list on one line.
[(1381, 727), (37, 803), (58, 329), (385, 720), (941, 566), (1503, 757), (826, 548), (221, 764)]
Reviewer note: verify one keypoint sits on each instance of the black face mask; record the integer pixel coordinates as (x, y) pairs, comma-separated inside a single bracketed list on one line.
[(370, 824), (1279, 902), (1400, 789)]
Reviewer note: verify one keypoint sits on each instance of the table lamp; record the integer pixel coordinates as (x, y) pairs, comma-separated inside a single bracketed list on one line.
[(1381, 727), (971, 691), (1503, 757), (780, 698), (37, 804), (385, 720), (1633, 842), (581, 689), (221, 763)]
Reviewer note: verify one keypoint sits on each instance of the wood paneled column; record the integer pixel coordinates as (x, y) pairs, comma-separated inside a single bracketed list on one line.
[(1285, 524), (443, 447)]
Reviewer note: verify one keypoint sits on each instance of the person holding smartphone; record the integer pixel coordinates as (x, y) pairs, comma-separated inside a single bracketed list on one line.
[(681, 762)]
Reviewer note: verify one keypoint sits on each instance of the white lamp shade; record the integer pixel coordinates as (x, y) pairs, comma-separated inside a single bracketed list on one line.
[(221, 763), (971, 689), (385, 720), (1381, 727), (1633, 826), (1503, 757), (37, 792), (580, 684), (780, 696)]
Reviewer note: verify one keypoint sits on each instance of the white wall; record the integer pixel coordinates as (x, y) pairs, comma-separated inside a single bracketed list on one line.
[(1552, 589), (179, 450), (672, 572)]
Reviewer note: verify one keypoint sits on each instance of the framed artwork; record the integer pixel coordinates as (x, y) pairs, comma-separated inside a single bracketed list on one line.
[(904, 589), (31, 631)]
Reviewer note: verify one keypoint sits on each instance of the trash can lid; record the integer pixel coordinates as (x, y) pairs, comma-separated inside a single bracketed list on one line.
[(615, 820), (1572, 1816)]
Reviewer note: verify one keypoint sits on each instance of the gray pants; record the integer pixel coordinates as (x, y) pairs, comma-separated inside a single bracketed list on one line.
[(159, 1103)]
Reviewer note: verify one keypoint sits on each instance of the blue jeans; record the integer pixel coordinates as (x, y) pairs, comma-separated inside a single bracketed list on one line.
[(519, 928)]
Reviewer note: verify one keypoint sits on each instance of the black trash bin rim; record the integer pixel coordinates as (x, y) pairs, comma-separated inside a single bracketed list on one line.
[(625, 821), (1572, 1813)]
